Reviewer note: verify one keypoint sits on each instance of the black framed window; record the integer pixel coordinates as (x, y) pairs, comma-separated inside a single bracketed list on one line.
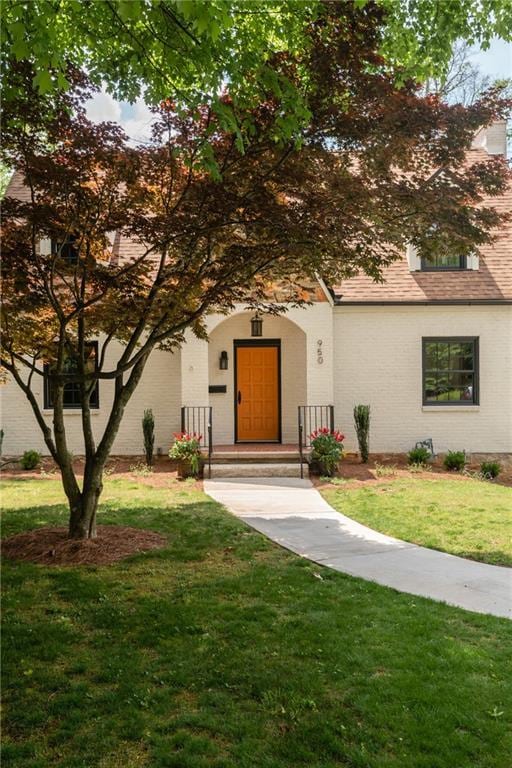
[(66, 250), (450, 371), (443, 261), (71, 397)]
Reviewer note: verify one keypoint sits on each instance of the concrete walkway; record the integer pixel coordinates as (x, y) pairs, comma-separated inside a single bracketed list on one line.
[(292, 513)]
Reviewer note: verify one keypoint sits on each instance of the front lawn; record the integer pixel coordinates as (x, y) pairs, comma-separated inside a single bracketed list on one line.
[(225, 651), (465, 517)]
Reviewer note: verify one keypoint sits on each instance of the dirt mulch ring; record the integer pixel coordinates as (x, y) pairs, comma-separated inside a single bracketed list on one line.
[(51, 546)]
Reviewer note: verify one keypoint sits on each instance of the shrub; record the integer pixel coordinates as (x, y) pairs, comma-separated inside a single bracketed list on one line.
[(490, 469), (455, 460), (362, 424), (326, 449), (148, 429), (418, 455), (187, 450), (30, 459)]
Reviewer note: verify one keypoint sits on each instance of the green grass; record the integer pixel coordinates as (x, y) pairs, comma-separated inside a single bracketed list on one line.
[(470, 518), (224, 651)]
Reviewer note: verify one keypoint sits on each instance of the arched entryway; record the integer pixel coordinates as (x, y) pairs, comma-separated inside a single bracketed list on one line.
[(255, 398)]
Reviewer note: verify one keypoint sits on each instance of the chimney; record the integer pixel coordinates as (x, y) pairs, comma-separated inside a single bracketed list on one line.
[(493, 138)]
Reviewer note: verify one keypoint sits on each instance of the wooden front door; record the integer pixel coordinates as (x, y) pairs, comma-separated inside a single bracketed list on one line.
[(257, 393)]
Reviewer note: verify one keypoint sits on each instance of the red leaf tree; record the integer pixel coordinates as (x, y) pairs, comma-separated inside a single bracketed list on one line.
[(211, 218)]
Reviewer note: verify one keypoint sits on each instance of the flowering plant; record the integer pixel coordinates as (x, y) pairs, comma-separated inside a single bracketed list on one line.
[(187, 449), (327, 449)]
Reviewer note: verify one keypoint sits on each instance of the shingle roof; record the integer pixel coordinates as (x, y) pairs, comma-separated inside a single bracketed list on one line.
[(491, 282)]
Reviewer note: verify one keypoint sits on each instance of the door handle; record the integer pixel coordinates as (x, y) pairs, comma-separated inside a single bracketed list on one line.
[(239, 398)]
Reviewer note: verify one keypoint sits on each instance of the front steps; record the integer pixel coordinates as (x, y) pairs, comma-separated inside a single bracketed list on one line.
[(265, 462), (256, 469)]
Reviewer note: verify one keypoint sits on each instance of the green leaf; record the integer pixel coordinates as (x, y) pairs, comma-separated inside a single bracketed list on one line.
[(43, 81)]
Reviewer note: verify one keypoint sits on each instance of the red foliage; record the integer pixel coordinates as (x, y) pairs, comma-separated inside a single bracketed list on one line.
[(335, 434), (187, 436)]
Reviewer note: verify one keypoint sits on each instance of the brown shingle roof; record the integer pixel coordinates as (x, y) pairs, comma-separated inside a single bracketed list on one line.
[(491, 282)]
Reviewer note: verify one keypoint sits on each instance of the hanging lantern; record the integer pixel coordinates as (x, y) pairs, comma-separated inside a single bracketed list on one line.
[(256, 326), (223, 361)]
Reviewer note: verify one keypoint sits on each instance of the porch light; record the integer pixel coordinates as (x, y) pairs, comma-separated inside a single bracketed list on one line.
[(223, 361), (256, 326)]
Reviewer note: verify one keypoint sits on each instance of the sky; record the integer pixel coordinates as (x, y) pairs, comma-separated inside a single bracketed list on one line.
[(136, 118), (496, 61)]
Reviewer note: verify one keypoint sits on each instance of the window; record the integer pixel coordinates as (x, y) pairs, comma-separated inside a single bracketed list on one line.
[(72, 389), (66, 250), (450, 371), (445, 261)]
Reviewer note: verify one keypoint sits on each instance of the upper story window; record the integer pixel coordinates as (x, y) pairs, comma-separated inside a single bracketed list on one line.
[(66, 250), (445, 261), (450, 371), (439, 263), (71, 396)]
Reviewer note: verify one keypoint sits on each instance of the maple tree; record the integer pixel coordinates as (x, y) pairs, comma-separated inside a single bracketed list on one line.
[(346, 194), (188, 50)]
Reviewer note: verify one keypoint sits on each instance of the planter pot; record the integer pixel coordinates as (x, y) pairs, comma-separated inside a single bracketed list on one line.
[(184, 469), (317, 468)]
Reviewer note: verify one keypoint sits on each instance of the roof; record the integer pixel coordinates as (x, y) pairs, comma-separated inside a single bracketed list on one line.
[(491, 283)]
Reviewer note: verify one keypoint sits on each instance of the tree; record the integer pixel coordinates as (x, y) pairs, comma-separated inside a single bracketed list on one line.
[(187, 50), (463, 82), (5, 177), (348, 196)]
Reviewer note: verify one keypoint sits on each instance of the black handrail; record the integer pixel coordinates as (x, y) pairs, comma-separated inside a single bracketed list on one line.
[(311, 418), (198, 419)]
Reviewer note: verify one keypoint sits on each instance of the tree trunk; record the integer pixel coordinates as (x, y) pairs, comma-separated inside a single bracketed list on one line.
[(82, 518)]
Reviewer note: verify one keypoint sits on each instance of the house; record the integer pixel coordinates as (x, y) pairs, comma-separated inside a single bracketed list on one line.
[(429, 349)]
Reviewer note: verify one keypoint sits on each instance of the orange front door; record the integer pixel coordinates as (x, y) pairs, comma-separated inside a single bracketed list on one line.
[(257, 393)]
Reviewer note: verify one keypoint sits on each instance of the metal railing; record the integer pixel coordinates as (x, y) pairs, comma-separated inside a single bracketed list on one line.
[(311, 418), (198, 419)]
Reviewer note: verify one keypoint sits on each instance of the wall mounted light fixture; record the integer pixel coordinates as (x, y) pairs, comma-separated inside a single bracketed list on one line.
[(256, 326), (223, 361)]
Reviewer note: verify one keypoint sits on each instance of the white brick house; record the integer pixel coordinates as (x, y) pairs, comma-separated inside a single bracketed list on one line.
[(430, 350)]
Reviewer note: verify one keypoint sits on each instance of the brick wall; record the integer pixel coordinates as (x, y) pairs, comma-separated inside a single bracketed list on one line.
[(378, 360), (159, 389), (369, 355)]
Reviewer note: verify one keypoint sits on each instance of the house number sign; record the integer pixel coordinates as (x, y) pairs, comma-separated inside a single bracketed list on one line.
[(319, 353)]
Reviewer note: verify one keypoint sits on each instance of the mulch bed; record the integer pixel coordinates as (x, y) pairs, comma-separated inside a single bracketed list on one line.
[(51, 546), (358, 475), (162, 475)]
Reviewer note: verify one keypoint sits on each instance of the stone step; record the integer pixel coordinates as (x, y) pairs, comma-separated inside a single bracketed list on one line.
[(258, 457), (259, 469)]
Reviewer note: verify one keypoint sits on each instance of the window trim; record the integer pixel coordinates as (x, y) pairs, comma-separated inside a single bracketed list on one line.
[(463, 265), (48, 405), (476, 371), (56, 245)]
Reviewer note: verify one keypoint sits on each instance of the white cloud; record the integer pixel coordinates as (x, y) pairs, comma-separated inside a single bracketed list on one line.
[(135, 118), (103, 107)]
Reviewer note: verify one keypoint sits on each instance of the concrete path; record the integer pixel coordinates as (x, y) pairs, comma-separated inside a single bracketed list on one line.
[(292, 513)]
